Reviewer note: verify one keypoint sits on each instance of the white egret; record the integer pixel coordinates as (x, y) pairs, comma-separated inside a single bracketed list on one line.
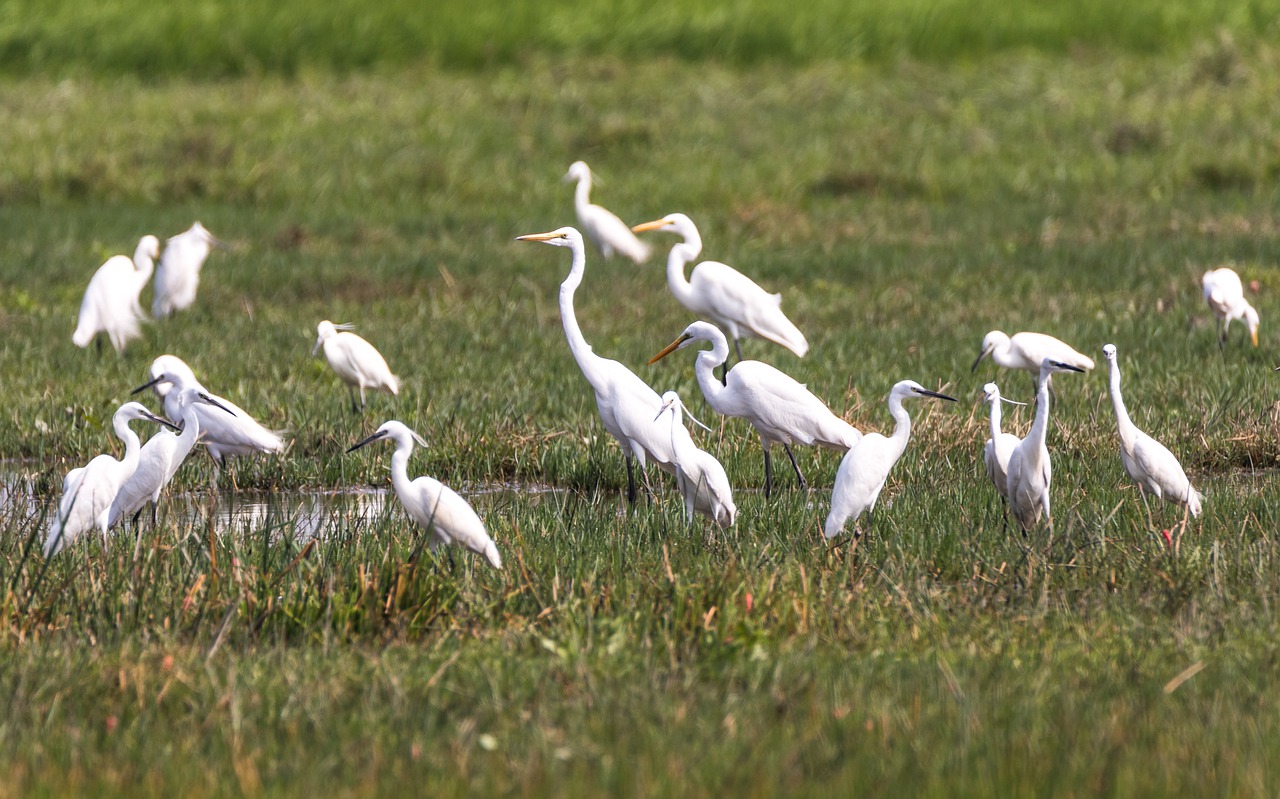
[(700, 477), (1224, 293), (865, 468), (607, 232), (1026, 351), (628, 406), (87, 492), (780, 408), (998, 449), (1148, 462), (110, 303), (159, 459), (716, 291), (178, 274), (355, 360), (431, 503), (1030, 470), (222, 434)]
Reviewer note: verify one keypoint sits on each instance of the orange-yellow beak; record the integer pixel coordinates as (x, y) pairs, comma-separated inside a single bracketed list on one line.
[(539, 237), (654, 225), (670, 348)]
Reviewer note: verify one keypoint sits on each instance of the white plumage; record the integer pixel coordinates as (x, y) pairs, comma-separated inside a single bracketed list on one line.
[(431, 503), (1148, 462), (700, 477), (355, 360), (999, 448), (606, 231), (780, 408), (865, 468), (110, 303), (1030, 468), (731, 300), (1224, 294), (1026, 351), (178, 275)]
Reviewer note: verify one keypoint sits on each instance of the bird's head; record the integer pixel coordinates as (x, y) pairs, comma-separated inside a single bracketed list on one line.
[(202, 233), (672, 403), (148, 246), (578, 170), (394, 431), (989, 343), (327, 330), (991, 392), (1109, 352), (906, 389), (671, 223), (560, 237), (136, 410), (697, 331), (166, 372)]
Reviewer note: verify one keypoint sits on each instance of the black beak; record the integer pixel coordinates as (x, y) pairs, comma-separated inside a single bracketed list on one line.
[(211, 401), (146, 386), (1067, 366), (368, 440), (927, 393), (164, 422), (977, 361)]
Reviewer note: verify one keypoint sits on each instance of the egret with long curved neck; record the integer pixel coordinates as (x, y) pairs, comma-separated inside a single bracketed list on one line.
[(999, 448), (110, 303), (700, 477), (1030, 469), (781, 409)]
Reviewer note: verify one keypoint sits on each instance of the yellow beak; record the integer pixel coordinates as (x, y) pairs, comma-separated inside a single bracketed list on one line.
[(1254, 335), (654, 225), (538, 237), (670, 348)]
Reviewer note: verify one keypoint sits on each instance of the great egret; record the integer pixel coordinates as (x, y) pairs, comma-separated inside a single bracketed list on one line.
[(1026, 351), (1224, 293), (865, 468), (628, 406), (781, 409), (1030, 470), (716, 291), (222, 434), (431, 503), (607, 232), (1148, 462), (178, 274), (159, 459), (355, 360), (110, 303), (998, 449), (87, 492), (700, 477)]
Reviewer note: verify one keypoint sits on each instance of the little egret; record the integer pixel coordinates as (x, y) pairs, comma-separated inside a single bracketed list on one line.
[(87, 492), (1148, 462), (716, 291), (110, 303), (781, 409), (1026, 351), (178, 274), (431, 503), (1224, 293), (355, 360), (222, 433), (158, 461), (865, 468), (627, 405), (700, 477), (1030, 470), (607, 232), (996, 452)]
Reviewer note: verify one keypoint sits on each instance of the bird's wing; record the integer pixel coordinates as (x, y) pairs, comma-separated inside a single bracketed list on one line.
[(359, 362), (778, 402), (610, 234), (1161, 466), (452, 516), (732, 296)]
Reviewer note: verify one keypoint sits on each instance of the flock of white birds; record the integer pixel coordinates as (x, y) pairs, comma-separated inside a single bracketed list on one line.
[(109, 491)]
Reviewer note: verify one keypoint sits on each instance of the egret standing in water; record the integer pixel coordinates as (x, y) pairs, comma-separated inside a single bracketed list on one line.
[(355, 360), (716, 291), (998, 449), (110, 303), (1224, 293), (1148, 462), (700, 477), (178, 274), (87, 492), (607, 232), (1026, 351), (780, 408), (431, 503), (1030, 470), (628, 406), (865, 468)]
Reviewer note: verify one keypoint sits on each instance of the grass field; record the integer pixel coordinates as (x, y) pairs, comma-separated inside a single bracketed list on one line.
[(904, 203)]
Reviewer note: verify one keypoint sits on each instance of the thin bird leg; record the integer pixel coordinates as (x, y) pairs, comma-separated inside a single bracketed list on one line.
[(804, 485), (153, 515), (362, 397), (768, 473), (97, 343), (1151, 525), (138, 515), (631, 481), (351, 390), (737, 346)]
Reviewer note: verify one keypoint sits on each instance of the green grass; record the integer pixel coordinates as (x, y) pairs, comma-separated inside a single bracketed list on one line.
[(904, 208)]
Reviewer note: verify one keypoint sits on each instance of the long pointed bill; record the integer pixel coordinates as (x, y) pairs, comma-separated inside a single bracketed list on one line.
[(670, 348), (146, 386), (657, 224), (217, 242), (375, 437), (1067, 366), (978, 360), (208, 400), (1253, 334), (316, 348), (924, 392), (538, 237), (163, 422)]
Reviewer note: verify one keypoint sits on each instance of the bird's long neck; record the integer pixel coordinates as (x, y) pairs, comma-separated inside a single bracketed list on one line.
[(902, 423), (131, 443), (577, 343), (1123, 423), (681, 255), (190, 427), (143, 265), (1040, 427), (707, 361), (582, 194), (400, 468), (995, 418)]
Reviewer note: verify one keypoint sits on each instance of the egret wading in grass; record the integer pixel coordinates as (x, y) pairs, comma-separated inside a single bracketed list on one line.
[(227, 430), (1026, 351), (865, 468), (998, 449), (355, 361), (1148, 462), (430, 503), (628, 406), (110, 303), (780, 409), (722, 294), (159, 459), (87, 492), (1030, 470), (606, 231), (1224, 293), (178, 275), (700, 477)]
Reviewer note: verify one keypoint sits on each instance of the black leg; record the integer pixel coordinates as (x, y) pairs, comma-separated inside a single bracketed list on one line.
[(804, 484), (354, 407), (737, 346), (97, 342), (138, 515), (153, 516), (768, 474), (631, 482)]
